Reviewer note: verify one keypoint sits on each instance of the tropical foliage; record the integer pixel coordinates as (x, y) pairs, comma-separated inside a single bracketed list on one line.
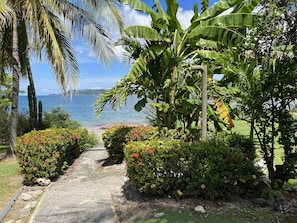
[(163, 53)]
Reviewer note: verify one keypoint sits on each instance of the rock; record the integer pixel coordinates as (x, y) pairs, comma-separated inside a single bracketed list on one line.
[(26, 196), (260, 201), (277, 206), (43, 181), (200, 209), (265, 181), (35, 193), (26, 211), (261, 164), (159, 215)]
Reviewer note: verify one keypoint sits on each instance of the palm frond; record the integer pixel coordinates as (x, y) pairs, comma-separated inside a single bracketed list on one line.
[(116, 96), (84, 24), (6, 12)]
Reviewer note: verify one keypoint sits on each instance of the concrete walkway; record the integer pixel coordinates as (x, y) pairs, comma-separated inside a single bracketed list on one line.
[(83, 193)]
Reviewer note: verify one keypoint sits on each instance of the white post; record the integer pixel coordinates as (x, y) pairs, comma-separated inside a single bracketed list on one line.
[(203, 69)]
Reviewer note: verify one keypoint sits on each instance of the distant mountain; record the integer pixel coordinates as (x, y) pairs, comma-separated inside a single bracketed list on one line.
[(85, 92)]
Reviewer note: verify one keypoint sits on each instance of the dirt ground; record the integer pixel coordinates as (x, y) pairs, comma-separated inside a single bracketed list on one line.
[(131, 205)]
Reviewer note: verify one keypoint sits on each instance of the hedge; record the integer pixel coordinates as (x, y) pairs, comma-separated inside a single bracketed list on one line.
[(47, 153), (210, 169)]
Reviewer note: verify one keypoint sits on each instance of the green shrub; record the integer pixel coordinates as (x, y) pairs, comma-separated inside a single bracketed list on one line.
[(116, 137), (245, 144), (114, 140), (47, 153), (59, 118), (186, 135), (86, 139), (210, 169)]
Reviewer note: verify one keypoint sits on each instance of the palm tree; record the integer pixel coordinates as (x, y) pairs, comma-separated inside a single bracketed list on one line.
[(160, 70), (41, 28)]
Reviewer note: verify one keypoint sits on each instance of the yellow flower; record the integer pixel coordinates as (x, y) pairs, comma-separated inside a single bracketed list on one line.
[(179, 192)]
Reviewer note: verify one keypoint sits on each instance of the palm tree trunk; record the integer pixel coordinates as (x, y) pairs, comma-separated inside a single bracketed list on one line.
[(15, 87)]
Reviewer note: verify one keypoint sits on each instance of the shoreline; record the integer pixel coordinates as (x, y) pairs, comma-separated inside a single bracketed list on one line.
[(102, 127)]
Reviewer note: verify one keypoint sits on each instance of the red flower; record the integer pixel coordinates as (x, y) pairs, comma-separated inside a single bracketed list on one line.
[(35, 168), (150, 151), (127, 139), (135, 135), (135, 155)]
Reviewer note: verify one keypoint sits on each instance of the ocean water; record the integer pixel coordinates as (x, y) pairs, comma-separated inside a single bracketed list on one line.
[(81, 109)]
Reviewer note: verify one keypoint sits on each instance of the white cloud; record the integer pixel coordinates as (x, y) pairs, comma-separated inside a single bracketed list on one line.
[(132, 17), (184, 17)]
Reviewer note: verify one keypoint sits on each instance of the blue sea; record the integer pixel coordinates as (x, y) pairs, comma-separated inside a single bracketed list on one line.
[(81, 109)]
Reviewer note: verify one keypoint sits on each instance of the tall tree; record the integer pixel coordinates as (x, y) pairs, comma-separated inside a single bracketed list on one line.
[(45, 23)]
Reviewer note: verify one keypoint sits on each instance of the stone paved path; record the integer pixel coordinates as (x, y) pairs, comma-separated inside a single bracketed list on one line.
[(83, 193)]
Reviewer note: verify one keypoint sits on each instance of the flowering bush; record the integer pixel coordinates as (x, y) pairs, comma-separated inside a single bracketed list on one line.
[(211, 169), (116, 137), (114, 140), (47, 153)]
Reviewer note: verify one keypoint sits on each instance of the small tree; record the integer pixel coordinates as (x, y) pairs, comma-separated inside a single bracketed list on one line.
[(273, 45)]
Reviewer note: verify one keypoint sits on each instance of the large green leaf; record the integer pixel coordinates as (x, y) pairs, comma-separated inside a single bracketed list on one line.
[(221, 28), (246, 6), (140, 104), (138, 67), (160, 9), (217, 9), (172, 7), (142, 32), (212, 55), (237, 20), (222, 35)]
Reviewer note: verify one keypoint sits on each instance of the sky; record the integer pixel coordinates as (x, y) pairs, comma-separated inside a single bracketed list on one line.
[(93, 74)]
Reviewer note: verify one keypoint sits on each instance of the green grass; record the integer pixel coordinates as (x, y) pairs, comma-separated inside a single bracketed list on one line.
[(3, 149), (10, 180), (250, 215), (241, 127)]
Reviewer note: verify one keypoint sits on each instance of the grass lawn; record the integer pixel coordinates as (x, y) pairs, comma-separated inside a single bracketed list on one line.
[(247, 215), (10, 179)]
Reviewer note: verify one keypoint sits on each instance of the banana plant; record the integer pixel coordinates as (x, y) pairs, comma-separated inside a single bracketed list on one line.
[(162, 59)]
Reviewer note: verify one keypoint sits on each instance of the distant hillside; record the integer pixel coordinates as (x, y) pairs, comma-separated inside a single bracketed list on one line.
[(85, 92)]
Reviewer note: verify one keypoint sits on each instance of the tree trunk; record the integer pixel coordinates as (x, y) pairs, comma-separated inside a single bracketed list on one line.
[(15, 87)]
